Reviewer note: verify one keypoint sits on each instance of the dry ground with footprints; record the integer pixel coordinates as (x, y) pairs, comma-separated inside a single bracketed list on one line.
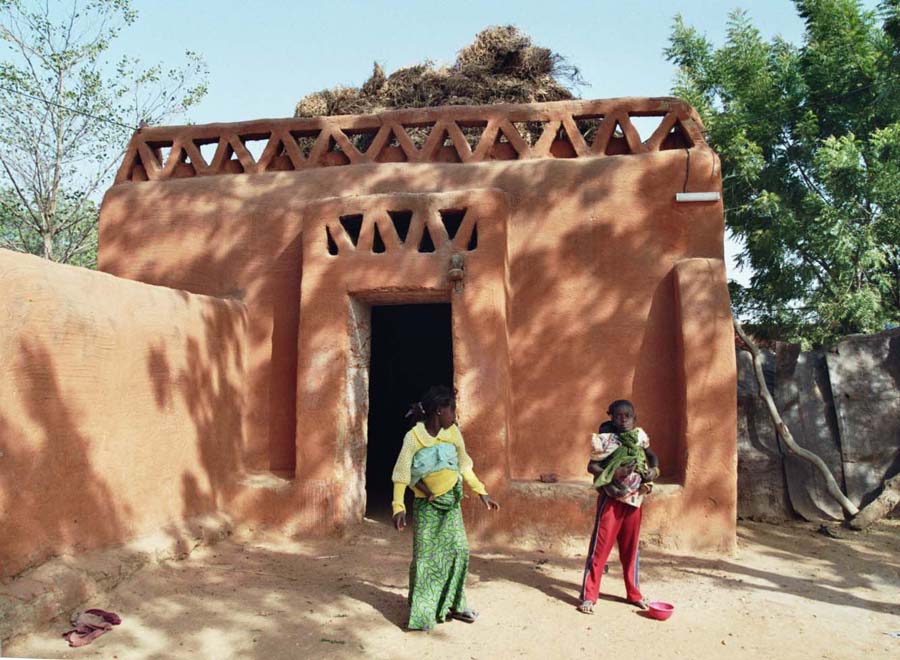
[(789, 592)]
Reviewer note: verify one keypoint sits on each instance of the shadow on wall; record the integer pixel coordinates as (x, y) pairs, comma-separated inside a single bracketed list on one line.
[(121, 413), (205, 384), (52, 498), (617, 235)]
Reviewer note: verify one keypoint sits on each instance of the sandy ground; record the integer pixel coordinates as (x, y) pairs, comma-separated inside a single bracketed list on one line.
[(788, 593)]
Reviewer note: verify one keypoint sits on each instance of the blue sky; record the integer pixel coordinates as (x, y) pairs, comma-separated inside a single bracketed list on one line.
[(264, 55)]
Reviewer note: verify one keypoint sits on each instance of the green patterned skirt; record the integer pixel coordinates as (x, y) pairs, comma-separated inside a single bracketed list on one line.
[(440, 563)]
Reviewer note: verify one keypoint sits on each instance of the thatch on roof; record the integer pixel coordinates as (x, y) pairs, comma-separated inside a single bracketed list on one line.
[(502, 65)]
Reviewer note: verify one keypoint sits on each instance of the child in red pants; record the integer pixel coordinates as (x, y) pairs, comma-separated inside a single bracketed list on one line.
[(624, 468)]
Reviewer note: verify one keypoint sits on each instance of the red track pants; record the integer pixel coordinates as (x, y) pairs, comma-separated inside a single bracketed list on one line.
[(616, 521)]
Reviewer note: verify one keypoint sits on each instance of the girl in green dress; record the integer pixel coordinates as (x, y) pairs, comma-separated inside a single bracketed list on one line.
[(433, 463)]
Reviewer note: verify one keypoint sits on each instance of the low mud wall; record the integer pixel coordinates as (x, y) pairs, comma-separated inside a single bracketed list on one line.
[(121, 408)]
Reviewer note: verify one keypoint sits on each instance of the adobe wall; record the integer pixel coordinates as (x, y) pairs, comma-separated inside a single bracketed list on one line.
[(612, 290), (120, 408)]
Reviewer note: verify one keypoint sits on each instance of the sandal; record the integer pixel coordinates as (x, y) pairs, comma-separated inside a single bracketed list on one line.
[(467, 616), (586, 607)]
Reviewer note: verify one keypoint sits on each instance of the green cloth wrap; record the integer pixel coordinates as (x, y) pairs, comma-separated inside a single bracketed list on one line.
[(440, 562), (629, 452)]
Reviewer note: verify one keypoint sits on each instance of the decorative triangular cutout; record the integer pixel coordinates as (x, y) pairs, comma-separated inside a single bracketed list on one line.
[(617, 143), (419, 135), (352, 224), (232, 164), (138, 172), (334, 155), (377, 243), (401, 221), (361, 138), (426, 244), (255, 144), (183, 166), (588, 126), (332, 246), (446, 151), (473, 239), (677, 138), (530, 131), (305, 141), (452, 219), (207, 149), (503, 148), (562, 146), (163, 152), (280, 162), (392, 152), (472, 131)]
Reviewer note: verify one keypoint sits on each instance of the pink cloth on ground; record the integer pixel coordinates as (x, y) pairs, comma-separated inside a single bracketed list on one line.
[(89, 625)]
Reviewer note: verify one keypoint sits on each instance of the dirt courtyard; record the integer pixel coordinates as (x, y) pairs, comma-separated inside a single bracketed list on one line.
[(789, 592)]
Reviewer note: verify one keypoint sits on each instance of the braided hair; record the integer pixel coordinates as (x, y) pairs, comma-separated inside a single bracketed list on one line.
[(436, 397)]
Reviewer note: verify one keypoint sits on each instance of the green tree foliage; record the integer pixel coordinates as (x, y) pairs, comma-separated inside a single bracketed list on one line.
[(66, 114), (809, 138)]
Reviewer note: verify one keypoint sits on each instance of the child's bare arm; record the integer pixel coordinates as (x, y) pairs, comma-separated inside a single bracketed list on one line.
[(595, 467), (652, 465), (425, 489)]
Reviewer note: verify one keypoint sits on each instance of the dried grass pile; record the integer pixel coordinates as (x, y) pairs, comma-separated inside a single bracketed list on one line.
[(502, 65)]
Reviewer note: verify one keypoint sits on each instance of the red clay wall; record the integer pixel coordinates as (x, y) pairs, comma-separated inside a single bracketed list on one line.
[(598, 307), (121, 408)]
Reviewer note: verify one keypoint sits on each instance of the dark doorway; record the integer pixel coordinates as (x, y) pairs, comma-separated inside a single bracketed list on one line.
[(412, 349)]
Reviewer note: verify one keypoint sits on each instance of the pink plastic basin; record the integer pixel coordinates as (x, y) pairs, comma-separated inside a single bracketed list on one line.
[(660, 610)]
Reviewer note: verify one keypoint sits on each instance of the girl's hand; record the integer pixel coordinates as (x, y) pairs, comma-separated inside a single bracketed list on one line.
[(489, 504), (400, 521)]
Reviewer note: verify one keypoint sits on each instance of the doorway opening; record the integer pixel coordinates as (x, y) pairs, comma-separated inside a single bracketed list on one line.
[(412, 349)]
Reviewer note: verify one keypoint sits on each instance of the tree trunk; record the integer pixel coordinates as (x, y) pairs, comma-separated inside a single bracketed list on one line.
[(880, 507)]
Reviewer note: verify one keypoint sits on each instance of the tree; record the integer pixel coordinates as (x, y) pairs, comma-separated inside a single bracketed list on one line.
[(66, 115), (809, 138)]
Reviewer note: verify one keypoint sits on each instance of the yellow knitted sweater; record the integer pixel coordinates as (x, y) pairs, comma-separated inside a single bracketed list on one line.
[(439, 482)]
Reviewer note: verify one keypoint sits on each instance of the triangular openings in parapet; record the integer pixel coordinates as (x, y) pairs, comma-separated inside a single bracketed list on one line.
[(562, 147), (207, 148), (473, 239), (418, 133), (255, 143), (138, 171), (377, 244), (392, 152), (677, 138), (352, 224), (588, 126), (332, 246), (334, 155), (503, 148), (472, 131), (530, 131), (280, 162), (162, 151), (618, 143), (452, 219), (306, 140), (426, 244), (446, 151), (402, 220), (184, 168), (232, 163)]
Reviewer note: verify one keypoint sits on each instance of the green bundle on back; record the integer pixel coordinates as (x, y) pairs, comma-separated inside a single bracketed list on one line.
[(629, 453)]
